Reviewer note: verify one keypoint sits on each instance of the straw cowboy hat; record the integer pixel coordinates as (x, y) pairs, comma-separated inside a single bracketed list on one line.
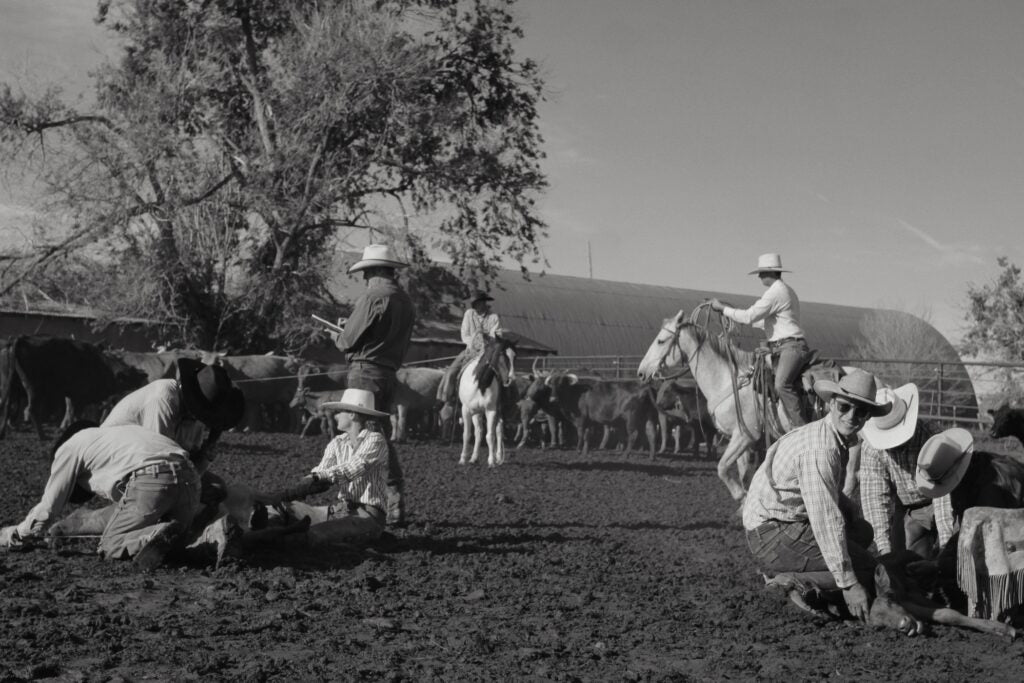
[(377, 255), (209, 394), (356, 401), (942, 462), (896, 426), (769, 263), (858, 386), (480, 297)]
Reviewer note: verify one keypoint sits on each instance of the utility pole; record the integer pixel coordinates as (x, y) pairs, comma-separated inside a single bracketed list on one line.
[(590, 261)]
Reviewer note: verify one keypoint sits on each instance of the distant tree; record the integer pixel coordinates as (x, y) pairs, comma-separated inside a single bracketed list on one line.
[(995, 318), (236, 143)]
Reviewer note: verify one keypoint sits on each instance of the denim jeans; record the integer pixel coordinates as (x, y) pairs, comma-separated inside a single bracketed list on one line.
[(790, 547), (150, 502), (791, 357), (383, 382)]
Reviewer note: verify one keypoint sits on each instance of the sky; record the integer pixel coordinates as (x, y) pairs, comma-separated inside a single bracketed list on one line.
[(877, 145)]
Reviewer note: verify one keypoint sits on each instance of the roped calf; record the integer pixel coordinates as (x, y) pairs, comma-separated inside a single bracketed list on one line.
[(606, 402)]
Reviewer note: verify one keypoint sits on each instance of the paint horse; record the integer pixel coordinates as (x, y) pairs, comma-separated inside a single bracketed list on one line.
[(480, 387)]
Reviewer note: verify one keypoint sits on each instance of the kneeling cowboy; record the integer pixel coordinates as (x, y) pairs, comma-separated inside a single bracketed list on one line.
[(778, 312)]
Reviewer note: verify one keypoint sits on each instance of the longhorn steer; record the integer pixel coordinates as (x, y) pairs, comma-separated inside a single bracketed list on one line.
[(312, 403), (605, 402), (268, 382), (416, 394)]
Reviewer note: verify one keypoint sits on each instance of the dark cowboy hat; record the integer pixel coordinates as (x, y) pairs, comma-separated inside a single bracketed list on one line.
[(480, 297), (209, 395), (858, 387)]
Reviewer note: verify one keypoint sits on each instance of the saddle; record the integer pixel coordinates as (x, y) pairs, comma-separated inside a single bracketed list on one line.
[(761, 374)]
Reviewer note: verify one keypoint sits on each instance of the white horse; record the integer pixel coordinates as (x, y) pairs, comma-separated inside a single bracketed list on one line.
[(479, 392), (713, 365)]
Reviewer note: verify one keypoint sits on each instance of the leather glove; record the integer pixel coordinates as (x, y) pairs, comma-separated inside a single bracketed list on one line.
[(307, 486)]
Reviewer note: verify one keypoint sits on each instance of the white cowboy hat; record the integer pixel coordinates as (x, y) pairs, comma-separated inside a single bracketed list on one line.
[(356, 401), (377, 255), (896, 426), (942, 462), (769, 263), (858, 386)]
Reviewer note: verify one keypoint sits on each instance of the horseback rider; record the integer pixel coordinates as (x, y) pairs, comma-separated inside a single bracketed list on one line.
[(778, 312), (477, 322)]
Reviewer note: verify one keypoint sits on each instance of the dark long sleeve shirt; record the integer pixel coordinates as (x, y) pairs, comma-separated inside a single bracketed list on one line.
[(380, 327)]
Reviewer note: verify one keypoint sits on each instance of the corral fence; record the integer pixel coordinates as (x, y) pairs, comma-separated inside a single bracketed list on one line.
[(951, 393)]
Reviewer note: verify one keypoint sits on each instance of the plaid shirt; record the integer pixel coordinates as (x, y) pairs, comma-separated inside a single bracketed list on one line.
[(887, 476), (361, 467), (801, 480)]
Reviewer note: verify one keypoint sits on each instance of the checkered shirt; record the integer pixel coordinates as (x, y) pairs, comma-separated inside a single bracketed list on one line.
[(360, 467), (887, 476), (800, 480)]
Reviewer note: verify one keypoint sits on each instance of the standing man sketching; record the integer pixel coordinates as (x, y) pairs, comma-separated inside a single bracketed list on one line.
[(375, 339), (778, 312)]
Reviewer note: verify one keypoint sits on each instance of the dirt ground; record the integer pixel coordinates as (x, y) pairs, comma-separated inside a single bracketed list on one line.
[(549, 568)]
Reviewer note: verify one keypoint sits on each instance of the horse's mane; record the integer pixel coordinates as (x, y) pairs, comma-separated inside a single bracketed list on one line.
[(490, 360), (721, 347)]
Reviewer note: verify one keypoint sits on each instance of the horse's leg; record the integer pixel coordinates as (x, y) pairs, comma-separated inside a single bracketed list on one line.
[(651, 436), (581, 435), (478, 436), (739, 444), (492, 436), (467, 433), (500, 438), (746, 465), (663, 425)]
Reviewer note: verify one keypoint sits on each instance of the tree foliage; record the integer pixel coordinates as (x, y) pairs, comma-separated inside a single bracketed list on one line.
[(236, 143), (995, 316)]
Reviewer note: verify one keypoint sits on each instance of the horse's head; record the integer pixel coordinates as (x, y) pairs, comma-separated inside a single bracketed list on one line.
[(665, 350), (497, 360)]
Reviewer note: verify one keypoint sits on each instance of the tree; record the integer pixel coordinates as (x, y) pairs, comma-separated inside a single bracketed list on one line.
[(236, 140), (995, 317)]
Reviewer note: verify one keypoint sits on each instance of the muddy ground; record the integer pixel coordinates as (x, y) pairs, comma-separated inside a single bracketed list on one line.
[(551, 567)]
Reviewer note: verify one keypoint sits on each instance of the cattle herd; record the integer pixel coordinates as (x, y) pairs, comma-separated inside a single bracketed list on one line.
[(50, 378)]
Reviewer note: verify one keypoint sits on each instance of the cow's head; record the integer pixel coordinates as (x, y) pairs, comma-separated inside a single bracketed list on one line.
[(1006, 421)]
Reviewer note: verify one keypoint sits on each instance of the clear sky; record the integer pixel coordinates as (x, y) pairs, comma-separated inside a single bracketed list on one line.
[(878, 145)]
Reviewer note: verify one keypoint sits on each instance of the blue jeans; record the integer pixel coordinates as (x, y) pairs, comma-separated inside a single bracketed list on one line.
[(382, 383), (791, 358), (790, 547), (151, 500)]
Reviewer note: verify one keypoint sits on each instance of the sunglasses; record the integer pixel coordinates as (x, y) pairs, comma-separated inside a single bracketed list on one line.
[(859, 412)]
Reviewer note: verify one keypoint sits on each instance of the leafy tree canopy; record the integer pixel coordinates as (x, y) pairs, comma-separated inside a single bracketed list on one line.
[(236, 143), (995, 316)]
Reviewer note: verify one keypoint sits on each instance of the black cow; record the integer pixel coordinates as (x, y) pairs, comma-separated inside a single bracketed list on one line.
[(605, 402), (684, 406), (1007, 421), (62, 375)]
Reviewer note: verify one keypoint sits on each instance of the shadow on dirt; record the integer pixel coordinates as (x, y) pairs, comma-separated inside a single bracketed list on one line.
[(633, 526), (605, 466), (497, 544)]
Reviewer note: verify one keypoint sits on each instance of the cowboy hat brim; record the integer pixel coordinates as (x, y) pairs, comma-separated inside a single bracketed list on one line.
[(224, 414), (353, 408), (769, 270), (371, 262), (881, 437), (826, 389), (960, 439)]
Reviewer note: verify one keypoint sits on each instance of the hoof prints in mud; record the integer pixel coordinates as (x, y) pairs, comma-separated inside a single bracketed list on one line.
[(550, 567)]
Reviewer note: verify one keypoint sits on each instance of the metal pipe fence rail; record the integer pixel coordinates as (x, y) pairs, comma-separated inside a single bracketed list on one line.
[(954, 393)]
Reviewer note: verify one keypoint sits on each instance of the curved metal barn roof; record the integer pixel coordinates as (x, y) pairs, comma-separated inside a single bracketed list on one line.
[(584, 317)]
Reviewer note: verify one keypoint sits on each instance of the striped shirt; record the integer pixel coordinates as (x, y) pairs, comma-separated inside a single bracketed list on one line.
[(361, 467), (887, 476), (801, 480)]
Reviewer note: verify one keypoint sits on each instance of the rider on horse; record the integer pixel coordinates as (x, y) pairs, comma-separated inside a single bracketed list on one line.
[(477, 324), (778, 312)]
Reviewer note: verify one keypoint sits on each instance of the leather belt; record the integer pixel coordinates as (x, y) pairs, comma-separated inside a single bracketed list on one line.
[(779, 342)]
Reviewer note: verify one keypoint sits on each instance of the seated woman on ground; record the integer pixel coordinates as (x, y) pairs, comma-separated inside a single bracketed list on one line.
[(357, 460)]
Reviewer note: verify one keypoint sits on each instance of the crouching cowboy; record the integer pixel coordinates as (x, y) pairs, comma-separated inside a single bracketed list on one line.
[(148, 476), (794, 513)]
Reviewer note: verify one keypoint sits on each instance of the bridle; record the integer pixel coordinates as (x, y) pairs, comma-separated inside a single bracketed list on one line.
[(690, 359)]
